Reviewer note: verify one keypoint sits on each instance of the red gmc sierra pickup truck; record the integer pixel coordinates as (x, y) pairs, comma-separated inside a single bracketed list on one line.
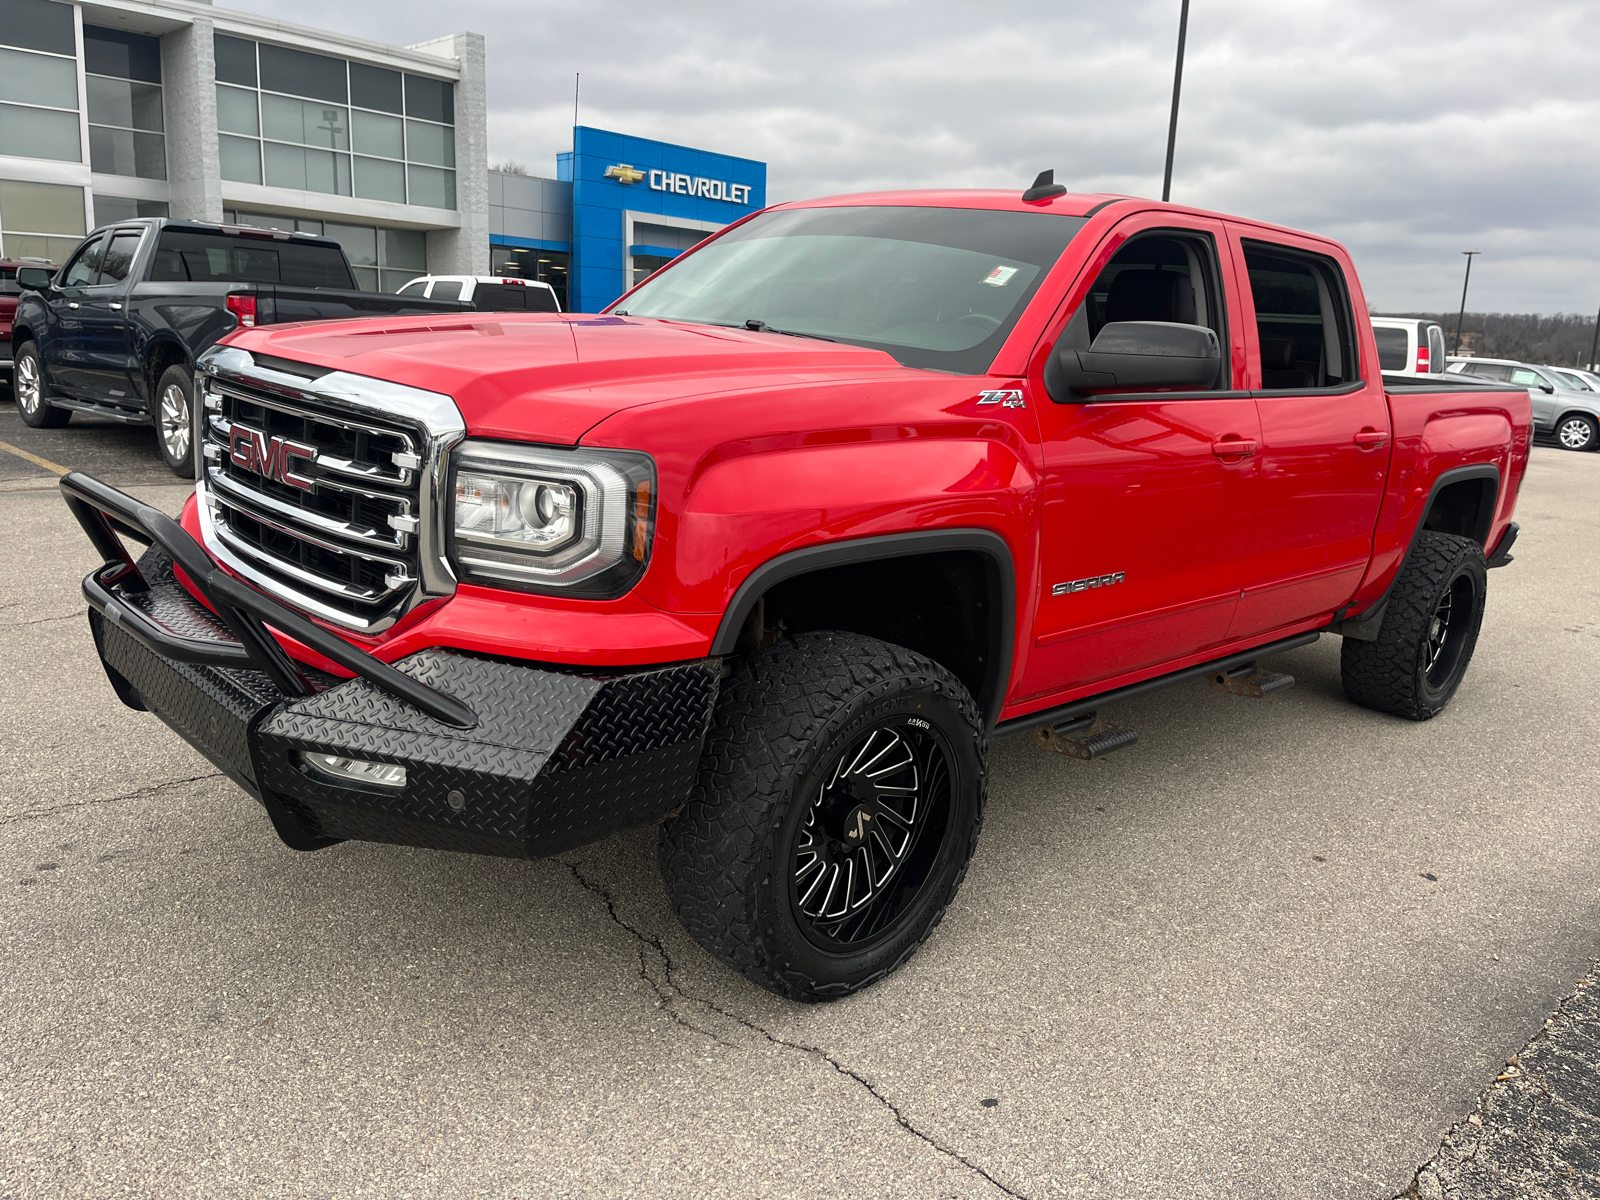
[(770, 550)]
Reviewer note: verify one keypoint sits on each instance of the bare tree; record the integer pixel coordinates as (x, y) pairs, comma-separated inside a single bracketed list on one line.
[(509, 167)]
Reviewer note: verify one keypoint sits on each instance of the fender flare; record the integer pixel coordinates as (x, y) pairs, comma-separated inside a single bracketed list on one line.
[(989, 545), (1364, 628)]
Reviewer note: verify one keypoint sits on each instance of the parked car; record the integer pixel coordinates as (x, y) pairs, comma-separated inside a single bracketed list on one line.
[(1409, 346), (10, 290), (1569, 414), (1574, 379), (487, 293), (117, 330), (771, 549)]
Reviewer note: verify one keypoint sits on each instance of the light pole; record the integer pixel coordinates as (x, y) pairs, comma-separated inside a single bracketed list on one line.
[(1463, 314), (1594, 345), (1177, 86)]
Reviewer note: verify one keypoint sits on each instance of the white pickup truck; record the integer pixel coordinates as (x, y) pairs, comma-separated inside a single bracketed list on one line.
[(1409, 346)]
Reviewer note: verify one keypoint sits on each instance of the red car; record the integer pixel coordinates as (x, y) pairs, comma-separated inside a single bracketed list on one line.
[(9, 291), (770, 550)]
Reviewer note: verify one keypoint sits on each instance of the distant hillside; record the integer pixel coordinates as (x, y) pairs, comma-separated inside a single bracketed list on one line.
[(1561, 341)]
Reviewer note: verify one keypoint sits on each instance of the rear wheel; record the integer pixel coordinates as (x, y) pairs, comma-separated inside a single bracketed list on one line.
[(28, 384), (1577, 431), (1429, 631), (838, 804), (175, 420)]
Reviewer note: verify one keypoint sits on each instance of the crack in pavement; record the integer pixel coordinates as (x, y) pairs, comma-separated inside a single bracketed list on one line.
[(42, 620), (668, 989), (40, 813)]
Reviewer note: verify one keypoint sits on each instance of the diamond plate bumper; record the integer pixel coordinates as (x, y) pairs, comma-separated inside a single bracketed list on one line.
[(511, 759)]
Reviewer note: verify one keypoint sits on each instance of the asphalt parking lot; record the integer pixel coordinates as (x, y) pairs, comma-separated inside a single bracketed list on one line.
[(1276, 949)]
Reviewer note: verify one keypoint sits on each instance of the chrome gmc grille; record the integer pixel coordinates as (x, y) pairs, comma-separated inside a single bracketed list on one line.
[(325, 488)]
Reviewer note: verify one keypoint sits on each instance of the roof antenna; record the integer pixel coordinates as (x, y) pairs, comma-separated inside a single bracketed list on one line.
[(1044, 187)]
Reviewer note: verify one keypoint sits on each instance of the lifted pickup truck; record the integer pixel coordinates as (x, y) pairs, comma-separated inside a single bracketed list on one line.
[(769, 551), (117, 330)]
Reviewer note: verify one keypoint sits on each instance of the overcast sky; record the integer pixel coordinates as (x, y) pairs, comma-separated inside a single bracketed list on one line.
[(1408, 130)]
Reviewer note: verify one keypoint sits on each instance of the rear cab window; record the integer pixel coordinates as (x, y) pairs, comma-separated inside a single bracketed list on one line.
[(117, 261), (1304, 327), (195, 256), (1394, 348)]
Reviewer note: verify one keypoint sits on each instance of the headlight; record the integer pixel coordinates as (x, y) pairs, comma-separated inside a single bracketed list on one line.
[(542, 519)]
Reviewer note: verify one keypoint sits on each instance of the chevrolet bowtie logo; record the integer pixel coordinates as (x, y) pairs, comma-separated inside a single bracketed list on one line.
[(624, 173)]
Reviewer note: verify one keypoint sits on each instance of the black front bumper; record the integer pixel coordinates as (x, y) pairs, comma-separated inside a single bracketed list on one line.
[(512, 759)]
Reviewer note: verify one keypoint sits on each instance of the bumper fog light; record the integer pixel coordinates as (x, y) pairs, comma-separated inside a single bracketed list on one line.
[(354, 770)]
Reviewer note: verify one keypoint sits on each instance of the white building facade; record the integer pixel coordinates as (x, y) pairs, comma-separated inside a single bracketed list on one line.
[(123, 108)]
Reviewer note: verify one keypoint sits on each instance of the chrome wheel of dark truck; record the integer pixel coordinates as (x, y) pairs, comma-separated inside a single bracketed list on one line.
[(441, 750)]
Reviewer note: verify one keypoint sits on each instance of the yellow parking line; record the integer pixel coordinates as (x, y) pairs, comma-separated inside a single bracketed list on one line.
[(34, 458)]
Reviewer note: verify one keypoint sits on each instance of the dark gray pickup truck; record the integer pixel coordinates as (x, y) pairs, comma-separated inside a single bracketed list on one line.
[(116, 331)]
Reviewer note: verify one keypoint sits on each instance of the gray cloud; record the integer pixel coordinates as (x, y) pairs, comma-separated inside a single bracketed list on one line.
[(1408, 130)]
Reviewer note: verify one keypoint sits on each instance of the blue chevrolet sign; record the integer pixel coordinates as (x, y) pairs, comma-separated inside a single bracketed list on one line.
[(638, 202)]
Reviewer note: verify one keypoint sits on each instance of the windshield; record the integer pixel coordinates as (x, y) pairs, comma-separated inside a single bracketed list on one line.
[(1569, 380), (934, 287)]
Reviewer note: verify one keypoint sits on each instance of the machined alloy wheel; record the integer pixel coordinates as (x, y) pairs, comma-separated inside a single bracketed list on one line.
[(867, 842), (1577, 432), (174, 418), (33, 406)]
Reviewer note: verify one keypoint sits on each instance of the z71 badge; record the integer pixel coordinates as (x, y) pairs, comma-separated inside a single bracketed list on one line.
[(1083, 585)]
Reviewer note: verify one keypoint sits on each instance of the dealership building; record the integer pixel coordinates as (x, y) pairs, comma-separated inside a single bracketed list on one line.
[(114, 109)]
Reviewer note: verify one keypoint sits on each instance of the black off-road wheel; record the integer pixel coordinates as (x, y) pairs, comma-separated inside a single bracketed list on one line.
[(27, 385), (838, 804), (1428, 634)]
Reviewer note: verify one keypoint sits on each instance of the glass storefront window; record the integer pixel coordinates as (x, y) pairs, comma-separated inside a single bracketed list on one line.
[(305, 122), (431, 186), (38, 79), (360, 242), (405, 249), (39, 25), (379, 135), (241, 159), (40, 220), (236, 111), (401, 126), (124, 96), (378, 179), (39, 133), (546, 266), (126, 208)]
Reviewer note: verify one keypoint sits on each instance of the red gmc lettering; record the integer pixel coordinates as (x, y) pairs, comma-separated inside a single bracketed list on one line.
[(274, 458)]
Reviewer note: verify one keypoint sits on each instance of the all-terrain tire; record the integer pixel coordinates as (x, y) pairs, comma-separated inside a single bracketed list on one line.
[(28, 386), (784, 721), (1415, 665)]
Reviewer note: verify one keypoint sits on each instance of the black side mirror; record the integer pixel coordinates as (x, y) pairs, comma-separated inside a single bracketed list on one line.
[(1543, 387), (1136, 356), (36, 278)]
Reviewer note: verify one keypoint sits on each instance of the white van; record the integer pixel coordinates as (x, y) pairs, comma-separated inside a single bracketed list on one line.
[(1409, 346), (487, 293)]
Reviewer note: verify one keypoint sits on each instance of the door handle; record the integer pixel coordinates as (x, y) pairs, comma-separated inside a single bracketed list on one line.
[(1234, 447), (72, 304), (1369, 438), (114, 306)]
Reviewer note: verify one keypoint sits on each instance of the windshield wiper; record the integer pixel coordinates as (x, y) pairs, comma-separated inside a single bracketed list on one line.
[(757, 326)]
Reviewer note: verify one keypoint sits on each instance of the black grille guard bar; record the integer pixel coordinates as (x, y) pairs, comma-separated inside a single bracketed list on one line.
[(105, 513)]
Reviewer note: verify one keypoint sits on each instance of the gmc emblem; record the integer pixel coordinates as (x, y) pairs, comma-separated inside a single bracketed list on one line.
[(274, 458)]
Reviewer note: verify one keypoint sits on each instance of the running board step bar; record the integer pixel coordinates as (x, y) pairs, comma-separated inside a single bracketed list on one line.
[(1084, 737), (1250, 680)]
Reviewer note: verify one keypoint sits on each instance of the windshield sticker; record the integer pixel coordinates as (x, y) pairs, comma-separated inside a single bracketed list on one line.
[(1000, 276)]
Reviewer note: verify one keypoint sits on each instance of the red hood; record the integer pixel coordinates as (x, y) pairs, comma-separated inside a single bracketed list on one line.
[(553, 377)]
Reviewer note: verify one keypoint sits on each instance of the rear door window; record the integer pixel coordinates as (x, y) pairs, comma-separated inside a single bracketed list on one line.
[(118, 258), (199, 257), (1303, 321), (414, 289), (1394, 347), (1488, 370), (446, 289)]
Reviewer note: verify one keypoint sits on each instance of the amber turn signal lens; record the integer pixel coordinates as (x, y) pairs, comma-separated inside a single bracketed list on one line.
[(641, 520)]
